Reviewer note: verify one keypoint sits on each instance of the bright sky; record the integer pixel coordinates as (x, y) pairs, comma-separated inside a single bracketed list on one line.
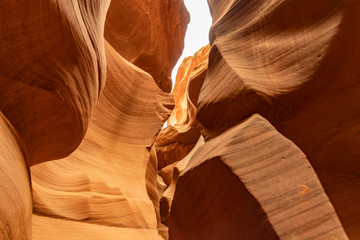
[(197, 34)]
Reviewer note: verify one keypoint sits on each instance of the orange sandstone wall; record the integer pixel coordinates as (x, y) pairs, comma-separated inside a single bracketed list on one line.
[(293, 62), (286, 64), (180, 136), (149, 34), (83, 123), (103, 183), (263, 141)]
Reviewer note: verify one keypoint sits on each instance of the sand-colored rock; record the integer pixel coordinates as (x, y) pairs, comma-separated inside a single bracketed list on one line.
[(170, 175), (180, 136), (277, 100), (149, 34), (15, 190), (190, 68), (252, 183), (295, 63), (100, 191), (52, 69)]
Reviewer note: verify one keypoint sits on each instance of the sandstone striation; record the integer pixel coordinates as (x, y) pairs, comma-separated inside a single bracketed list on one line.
[(293, 62), (15, 189), (170, 175), (252, 183), (149, 34), (102, 185), (182, 133), (52, 70), (263, 124)]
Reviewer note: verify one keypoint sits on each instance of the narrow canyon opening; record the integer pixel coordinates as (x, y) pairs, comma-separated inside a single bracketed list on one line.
[(261, 136)]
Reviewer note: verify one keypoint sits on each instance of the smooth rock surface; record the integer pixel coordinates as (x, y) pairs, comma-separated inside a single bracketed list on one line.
[(102, 187), (295, 63), (52, 70), (15, 189), (182, 133), (149, 34), (251, 183)]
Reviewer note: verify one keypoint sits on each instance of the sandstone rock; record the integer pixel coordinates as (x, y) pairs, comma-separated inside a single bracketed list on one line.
[(190, 69), (295, 63), (176, 141), (170, 175), (52, 69), (149, 34), (15, 190), (224, 173), (99, 191), (251, 183)]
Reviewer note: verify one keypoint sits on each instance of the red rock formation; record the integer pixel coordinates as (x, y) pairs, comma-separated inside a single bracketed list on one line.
[(15, 190), (103, 182), (170, 175), (52, 73), (149, 34), (284, 64), (251, 183), (176, 141), (294, 62), (52, 69)]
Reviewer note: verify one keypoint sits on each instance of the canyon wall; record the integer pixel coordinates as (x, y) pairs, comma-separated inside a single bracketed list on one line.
[(262, 137), (283, 64), (79, 118)]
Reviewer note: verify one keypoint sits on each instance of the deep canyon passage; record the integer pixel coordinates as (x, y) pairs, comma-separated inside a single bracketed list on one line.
[(263, 124)]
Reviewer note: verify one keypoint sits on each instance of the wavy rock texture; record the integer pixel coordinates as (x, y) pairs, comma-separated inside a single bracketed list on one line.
[(178, 139), (170, 175), (52, 69), (295, 63), (220, 170), (149, 34), (99, 192), (15, 189), (252, 183)]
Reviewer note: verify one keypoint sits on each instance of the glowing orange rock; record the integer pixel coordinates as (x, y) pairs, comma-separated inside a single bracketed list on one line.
[(100, 191), (149, 34), (52, 70), (251, 183), (295, 63), (176, 141), (15, 189)]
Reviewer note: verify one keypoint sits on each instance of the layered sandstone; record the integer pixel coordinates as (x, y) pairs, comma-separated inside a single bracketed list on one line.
[(170, 175), (149, 34), (52, 77), (52, 70), (294, 62), (262, 142), (252, 183), (102, 185), (182, 133), (15, 189)]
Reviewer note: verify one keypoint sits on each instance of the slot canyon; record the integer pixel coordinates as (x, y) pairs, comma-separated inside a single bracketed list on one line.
[(262, 127)]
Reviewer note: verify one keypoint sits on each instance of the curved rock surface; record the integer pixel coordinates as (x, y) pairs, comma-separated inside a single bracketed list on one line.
[(182, 133), (149, 34), (52, 69), (99, 191), (15, 189), (170, 175), (279, 82), (252, 183), (295, 63)]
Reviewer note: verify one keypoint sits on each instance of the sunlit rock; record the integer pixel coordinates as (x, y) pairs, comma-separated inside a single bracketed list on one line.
[(251, 183), (295, 63), (149, 34), (182, 133), (101, 187)]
